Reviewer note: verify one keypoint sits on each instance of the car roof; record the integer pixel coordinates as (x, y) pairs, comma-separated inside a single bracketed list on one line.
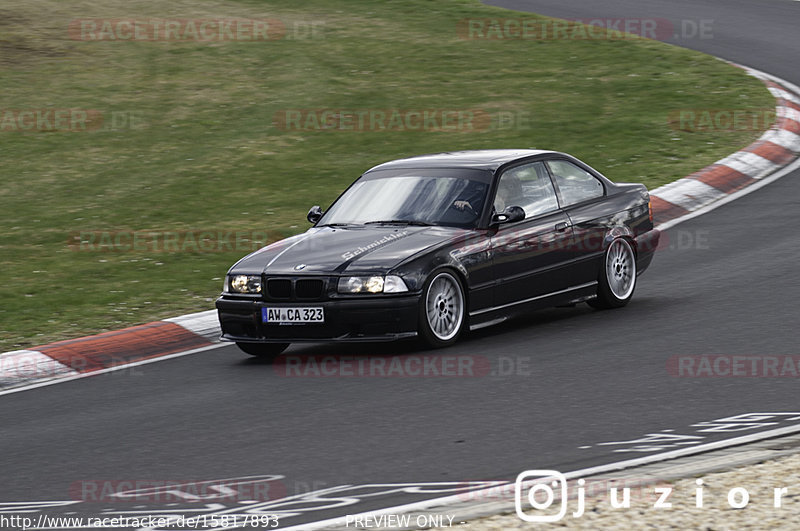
[(485, 159)]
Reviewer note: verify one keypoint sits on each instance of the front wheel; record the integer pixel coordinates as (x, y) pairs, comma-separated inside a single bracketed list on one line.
[(263, 350), (442, 310), (617, 277)]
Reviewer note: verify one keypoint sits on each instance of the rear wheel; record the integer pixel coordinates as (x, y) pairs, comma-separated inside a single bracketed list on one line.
[(442, 310), (263, 350), (617, 276)]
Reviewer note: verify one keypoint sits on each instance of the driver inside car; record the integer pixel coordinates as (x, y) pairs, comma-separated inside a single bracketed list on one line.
[(471, 198)]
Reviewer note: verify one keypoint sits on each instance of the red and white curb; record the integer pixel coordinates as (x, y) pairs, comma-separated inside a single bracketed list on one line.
[(768, 158), (109, 350), (776, 148)]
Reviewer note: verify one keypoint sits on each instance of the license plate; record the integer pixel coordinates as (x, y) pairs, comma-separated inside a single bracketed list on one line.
[(292, 315)]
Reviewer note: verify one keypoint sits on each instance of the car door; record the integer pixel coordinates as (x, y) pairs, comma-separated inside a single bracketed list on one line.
[(581, 196), (528, 256)]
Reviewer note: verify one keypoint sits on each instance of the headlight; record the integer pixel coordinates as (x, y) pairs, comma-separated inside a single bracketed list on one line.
[(245, 283), (373, 284)]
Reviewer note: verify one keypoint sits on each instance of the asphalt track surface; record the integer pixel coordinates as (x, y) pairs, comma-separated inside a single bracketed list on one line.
[(579, 377)]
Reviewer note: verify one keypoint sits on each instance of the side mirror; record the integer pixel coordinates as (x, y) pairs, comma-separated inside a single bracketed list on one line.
[(511, 214), (314, 214)]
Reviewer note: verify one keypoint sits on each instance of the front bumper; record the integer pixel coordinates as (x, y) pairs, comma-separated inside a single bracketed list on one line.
[(351, 319)]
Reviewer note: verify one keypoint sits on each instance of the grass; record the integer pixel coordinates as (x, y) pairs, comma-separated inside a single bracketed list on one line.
[(203, 153)]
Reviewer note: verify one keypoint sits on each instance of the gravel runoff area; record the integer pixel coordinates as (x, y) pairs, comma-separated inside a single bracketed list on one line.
[(760, 478)]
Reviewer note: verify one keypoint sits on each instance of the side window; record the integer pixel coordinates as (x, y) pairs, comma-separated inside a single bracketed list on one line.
[(575, 184), (526, 186)]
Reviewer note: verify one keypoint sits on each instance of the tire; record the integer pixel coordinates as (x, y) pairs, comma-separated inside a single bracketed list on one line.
[(617, 278), (442, 311), (263, 350)]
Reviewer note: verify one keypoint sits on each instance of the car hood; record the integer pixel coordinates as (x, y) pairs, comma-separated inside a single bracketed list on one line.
[(359, 248)]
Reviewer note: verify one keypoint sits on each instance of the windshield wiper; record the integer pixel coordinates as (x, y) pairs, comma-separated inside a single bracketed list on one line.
[(400, 222), (335, 225)]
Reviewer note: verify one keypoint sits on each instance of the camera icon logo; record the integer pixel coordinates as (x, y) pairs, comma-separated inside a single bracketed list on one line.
[(540, 482)]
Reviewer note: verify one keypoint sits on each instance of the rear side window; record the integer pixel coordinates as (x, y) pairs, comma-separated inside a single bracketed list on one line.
[(575, 184)]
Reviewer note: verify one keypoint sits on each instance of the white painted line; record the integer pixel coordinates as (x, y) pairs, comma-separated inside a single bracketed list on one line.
[(750, 164), (79, 376), (203, 324), (585, 472), (690, 194)]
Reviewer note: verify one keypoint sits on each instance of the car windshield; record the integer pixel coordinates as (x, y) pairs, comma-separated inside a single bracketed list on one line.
[(413, 199)]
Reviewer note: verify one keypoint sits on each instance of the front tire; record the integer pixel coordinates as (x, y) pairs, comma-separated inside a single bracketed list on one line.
[(265, 351), (617, 277), (442, 310)]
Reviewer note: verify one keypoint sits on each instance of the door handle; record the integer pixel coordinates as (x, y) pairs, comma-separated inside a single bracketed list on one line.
[(561, 227)]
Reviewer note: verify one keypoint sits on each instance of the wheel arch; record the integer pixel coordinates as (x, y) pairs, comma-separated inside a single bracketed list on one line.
[(620, 231)]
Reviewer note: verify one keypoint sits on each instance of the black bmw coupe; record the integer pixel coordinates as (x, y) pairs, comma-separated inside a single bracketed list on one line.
[(433, 245)]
